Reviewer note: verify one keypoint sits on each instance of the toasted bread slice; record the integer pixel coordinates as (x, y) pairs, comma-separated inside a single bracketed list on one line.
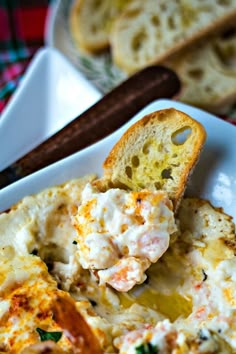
[(157, 152), (91, 20), (208, 73), (150, 31)]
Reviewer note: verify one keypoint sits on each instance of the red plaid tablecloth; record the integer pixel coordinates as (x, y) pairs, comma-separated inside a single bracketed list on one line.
[(21, 34)]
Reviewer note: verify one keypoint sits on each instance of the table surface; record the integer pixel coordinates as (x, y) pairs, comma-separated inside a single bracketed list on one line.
[(21, 34)]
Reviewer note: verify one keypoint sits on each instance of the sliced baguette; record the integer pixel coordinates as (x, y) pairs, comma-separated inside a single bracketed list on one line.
[(151, 31), (90, 22), (157, 152), (208, 73)]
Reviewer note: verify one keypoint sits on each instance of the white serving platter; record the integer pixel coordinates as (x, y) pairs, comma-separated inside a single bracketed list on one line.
[(214, 177)]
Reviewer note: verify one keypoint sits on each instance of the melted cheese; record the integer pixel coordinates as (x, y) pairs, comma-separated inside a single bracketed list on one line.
[(26, 293), (171, 306), (186, 305), (120, 233)]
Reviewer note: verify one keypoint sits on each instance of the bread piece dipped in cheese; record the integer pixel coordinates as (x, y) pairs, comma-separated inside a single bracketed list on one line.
[(91, 21), (157, 152), (150, 31)]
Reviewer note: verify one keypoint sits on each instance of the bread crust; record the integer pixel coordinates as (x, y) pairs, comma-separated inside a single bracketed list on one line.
[(208, 73), (90, 22), (129, 61), (166, 163), (79, 29)]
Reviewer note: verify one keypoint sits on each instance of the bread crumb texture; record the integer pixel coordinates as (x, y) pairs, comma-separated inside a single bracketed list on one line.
[(163, 148), (150, 31)]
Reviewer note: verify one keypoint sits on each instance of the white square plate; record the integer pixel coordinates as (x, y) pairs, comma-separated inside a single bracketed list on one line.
[(214, 177)]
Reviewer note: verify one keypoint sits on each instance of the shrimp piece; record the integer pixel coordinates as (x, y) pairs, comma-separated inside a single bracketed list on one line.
[(200, 313), (125, 273), (147, 242), (122, 232)]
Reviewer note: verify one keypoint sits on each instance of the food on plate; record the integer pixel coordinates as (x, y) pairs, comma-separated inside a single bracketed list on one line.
[(74, 326), (150, 31), (208, 73), (131, 230), (158, 152), (54, 244), (196, 275), (195, 38), (29, 298), (91, 21)]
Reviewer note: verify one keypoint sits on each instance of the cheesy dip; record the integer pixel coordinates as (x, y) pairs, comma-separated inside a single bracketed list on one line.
[(121, 233), (143, 280)]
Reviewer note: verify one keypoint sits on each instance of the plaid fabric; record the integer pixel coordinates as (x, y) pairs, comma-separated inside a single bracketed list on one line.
[(21, 34)]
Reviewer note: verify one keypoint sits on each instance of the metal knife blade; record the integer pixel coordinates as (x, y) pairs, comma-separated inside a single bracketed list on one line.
[(100, 120)]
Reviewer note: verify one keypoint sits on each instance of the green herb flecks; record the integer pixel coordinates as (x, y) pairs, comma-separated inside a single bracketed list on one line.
[(44, 335), (147, 348)]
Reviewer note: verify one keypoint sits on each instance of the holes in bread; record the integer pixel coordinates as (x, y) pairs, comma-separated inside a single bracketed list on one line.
[(224, 2), (120, 185), (226, 53), (96, 5), (138, 40), (128, 172), (163, 7), (146, 148), (171, 23), (180, 136), (160, 147), (94, 28), (155, 20), (166, 173), (135, 161), (196, 73), (208, 89), (132, 13)]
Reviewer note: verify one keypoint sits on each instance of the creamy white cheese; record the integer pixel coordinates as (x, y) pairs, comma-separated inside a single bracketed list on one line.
[(163, 338), (121, 233), (188, 304)]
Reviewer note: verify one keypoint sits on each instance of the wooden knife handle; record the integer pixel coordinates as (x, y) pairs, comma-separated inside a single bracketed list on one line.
[(103, 118)]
